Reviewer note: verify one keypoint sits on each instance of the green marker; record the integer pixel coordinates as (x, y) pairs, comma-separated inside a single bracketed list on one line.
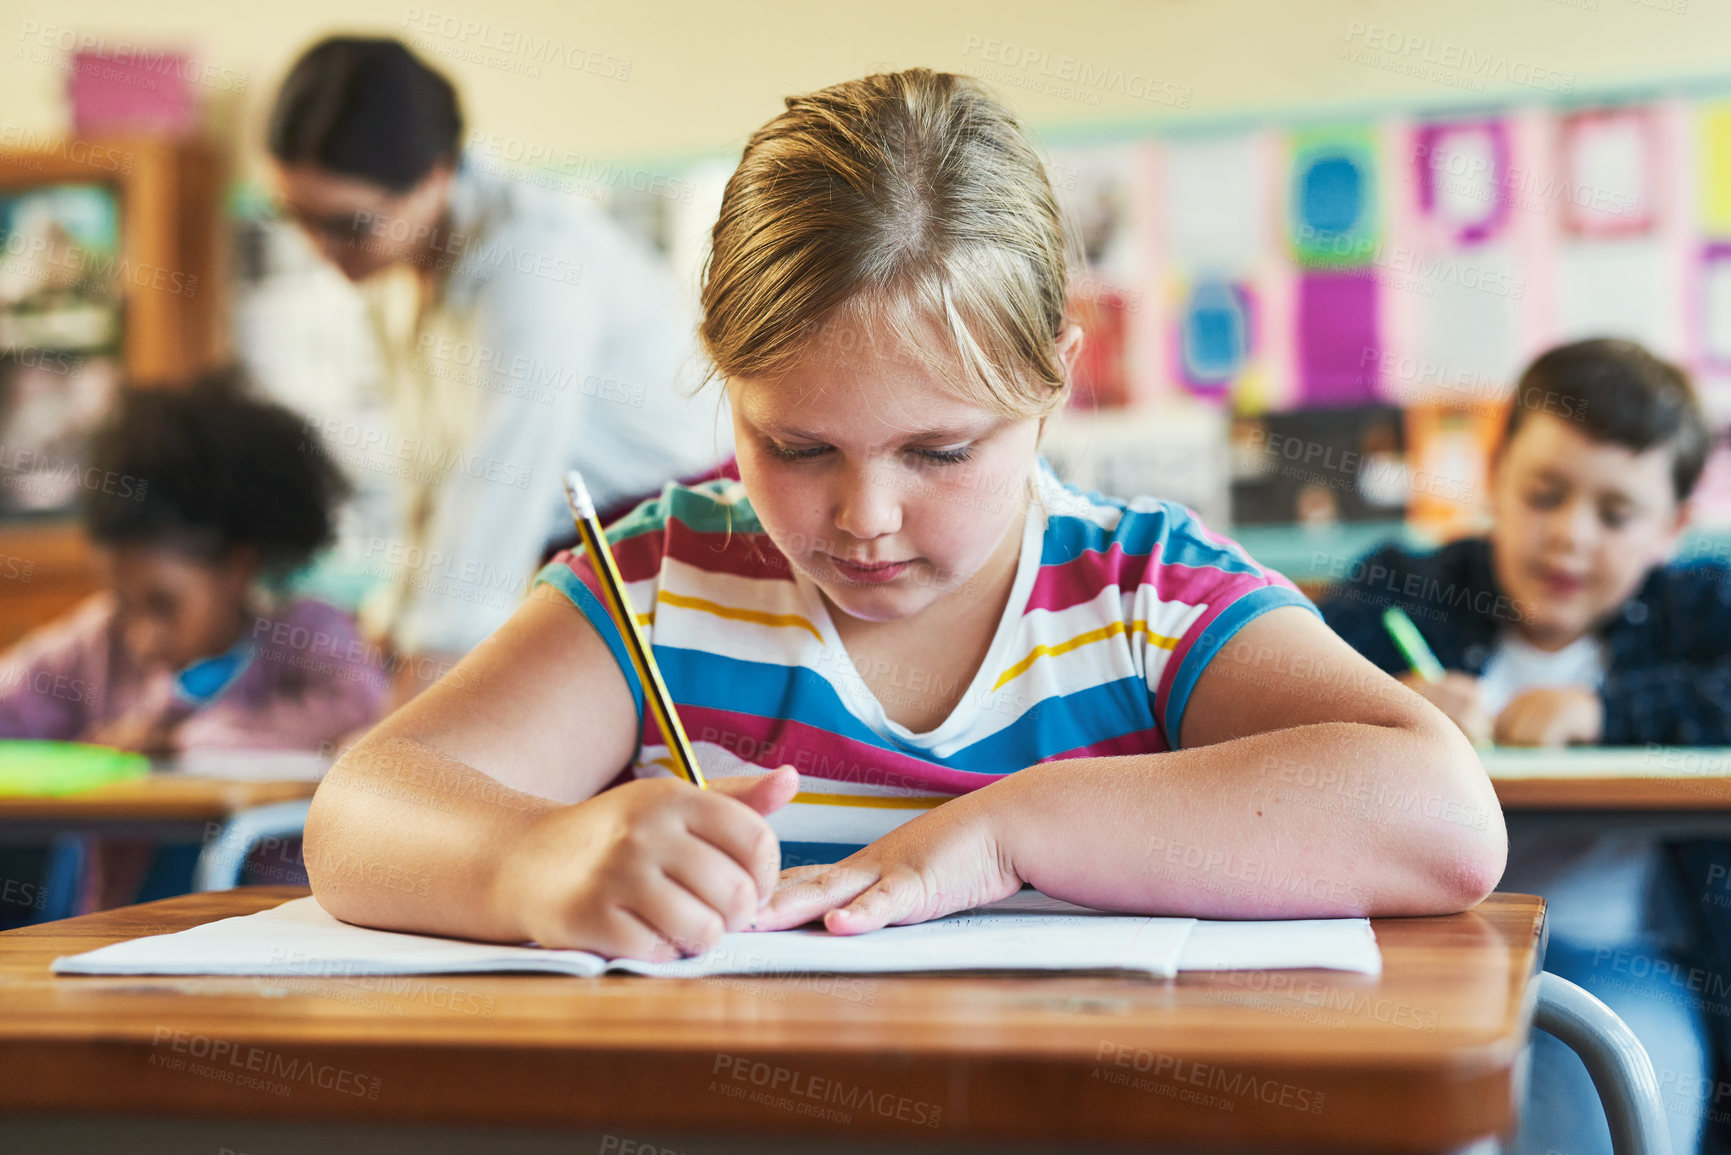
[(1411, 644)]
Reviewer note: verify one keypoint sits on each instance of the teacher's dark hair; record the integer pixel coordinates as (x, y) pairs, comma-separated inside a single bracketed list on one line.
[(366, 108)]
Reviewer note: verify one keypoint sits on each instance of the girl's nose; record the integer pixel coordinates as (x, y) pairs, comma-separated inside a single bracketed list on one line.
[(868, 505)]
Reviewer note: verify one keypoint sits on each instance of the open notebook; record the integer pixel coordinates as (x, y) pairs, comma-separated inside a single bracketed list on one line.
[(1027, 931)]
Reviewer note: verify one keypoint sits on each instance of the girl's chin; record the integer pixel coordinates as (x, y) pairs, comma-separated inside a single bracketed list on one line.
[(874, 605)]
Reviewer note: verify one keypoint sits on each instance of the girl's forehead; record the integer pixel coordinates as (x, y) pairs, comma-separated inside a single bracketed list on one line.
[(859, 404)]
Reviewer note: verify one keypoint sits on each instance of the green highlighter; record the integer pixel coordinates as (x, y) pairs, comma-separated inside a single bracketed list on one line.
[(1411, 644), (55, 768)]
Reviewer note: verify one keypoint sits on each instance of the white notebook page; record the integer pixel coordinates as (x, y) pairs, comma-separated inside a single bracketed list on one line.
[(1026, 932)]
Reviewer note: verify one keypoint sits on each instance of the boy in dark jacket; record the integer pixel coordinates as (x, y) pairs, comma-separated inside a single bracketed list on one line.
[(1565, 625)]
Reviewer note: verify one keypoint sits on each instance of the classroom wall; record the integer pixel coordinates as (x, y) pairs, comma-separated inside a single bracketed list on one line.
[(673, 80)]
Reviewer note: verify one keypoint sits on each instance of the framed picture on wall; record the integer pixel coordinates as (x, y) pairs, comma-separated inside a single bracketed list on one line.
[(60, 326)]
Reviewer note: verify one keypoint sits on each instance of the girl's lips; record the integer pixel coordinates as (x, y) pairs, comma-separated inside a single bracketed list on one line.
[(879, 572)]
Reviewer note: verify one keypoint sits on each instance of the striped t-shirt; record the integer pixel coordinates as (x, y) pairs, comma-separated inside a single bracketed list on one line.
[(1115, 610)]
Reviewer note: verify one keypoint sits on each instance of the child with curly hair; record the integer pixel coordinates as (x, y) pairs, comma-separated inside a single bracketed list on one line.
[(199, 500)]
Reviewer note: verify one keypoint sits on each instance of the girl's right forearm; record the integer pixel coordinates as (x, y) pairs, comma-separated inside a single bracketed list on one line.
[(403, 837)]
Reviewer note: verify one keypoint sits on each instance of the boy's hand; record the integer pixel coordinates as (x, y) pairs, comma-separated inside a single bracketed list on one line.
[(946, 860), (1457, 695), (653, 869), (1552, 716)]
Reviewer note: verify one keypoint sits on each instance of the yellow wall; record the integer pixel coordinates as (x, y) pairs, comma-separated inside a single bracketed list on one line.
[(700, 75)]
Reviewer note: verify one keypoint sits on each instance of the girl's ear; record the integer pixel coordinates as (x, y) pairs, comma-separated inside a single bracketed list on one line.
[(1070, 349), (1069, 353)]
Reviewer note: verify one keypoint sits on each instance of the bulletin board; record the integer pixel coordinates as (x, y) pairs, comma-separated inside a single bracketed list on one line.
[(1406, 259), (1415, 261)]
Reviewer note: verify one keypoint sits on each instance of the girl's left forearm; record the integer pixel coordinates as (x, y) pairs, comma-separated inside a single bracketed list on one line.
[(1327, 820)]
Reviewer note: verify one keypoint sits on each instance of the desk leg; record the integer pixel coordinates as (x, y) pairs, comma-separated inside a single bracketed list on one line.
[(1621, 1071), (63, 875)]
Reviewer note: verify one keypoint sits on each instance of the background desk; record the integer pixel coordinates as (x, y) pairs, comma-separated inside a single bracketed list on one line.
[(1661, 790), (171, 807), (222, 800), (175, 802), (1422, 1058)]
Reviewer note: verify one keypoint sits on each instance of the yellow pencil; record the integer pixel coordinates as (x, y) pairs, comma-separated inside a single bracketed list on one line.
[(613, 592)]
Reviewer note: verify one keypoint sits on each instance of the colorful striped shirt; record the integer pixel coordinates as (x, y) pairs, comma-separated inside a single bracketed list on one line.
[(1115, 610)]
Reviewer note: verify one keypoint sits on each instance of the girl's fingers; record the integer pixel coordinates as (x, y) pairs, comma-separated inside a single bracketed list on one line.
[(686, 924), (765, 793), (897, 897), (796, 874), (793, 876), (798, 901), (715, 878), (737, 832), (627, 936)]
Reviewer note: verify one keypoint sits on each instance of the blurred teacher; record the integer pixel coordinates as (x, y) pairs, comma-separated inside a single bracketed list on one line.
[(523, 333)]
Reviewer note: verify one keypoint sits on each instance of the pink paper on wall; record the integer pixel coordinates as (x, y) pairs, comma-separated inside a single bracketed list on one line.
[(1610, 170), (1339, 343), (1460, 169), (134, 91)]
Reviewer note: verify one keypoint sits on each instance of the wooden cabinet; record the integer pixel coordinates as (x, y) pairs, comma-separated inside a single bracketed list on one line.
[(46, 568), (168, 275)]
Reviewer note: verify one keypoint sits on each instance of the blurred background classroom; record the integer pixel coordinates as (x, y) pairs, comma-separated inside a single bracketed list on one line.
[(1316, 257)]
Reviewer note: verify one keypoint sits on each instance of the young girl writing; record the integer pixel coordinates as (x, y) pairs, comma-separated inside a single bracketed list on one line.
[(909, 659)]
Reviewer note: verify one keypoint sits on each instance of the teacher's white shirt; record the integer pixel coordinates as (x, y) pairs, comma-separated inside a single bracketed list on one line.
[(555, 342)]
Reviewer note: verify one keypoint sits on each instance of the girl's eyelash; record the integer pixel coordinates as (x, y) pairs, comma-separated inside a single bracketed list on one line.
[(788, 453), (935, 456)]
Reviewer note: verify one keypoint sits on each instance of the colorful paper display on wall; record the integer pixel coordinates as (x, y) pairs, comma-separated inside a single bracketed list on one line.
[(1411, 259)]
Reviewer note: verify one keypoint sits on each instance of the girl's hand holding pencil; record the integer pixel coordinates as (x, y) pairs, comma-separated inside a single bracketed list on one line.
[(654, 869)]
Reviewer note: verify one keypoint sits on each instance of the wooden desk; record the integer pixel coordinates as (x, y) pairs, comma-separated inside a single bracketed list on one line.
[(169, 806), (1422, 1058), (157, 798), (166, 808), (177, 801), (1661, 792)]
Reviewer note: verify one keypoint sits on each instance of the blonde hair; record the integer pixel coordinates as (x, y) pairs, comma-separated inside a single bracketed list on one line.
[(907, 200)]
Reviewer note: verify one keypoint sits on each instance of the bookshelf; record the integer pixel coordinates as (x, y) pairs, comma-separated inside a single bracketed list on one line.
[(86, 303)]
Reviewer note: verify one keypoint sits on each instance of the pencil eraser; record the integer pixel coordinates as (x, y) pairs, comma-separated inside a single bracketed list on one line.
[(578, 494)]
